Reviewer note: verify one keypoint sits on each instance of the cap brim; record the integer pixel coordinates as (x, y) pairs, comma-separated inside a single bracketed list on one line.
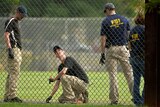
[(25, 15)]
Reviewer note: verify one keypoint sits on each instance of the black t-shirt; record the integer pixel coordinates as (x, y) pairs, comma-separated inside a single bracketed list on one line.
[(11, 26), (74, 69)]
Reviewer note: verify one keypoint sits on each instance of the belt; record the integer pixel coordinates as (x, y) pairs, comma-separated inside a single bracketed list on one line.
[(110, 45), (117, 45)]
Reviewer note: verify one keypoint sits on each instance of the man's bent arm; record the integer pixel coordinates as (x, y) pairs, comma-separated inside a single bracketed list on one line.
[(63, 71)]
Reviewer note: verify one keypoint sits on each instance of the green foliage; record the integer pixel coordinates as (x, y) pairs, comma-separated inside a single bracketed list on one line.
[(7, 6), (153, 4), (70, 8), (63, 8)]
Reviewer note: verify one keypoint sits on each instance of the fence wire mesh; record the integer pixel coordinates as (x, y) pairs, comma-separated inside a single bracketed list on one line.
[(75, 26)]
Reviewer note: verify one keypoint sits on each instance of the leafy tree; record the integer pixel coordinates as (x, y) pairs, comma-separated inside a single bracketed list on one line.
[(151, 63), (152, 4), (7, 7), (70, 8)]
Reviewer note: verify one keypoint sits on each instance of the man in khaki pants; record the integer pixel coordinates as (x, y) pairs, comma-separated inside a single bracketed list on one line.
[(13, 42), (73, 78), (114, 34)]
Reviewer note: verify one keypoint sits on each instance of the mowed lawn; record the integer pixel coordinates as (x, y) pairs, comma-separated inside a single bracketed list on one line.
[(58, 105), (33, 87)]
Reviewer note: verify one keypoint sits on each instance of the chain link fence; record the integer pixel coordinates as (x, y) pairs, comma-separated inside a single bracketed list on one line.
[(75, 26)]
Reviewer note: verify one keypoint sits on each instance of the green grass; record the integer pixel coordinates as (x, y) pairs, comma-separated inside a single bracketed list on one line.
[(56, 105), (34, 87)]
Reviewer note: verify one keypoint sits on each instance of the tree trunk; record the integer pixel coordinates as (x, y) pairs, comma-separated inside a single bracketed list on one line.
[(151, 58)]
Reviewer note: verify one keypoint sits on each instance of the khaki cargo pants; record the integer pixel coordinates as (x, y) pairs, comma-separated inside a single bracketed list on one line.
[(72, 89), (13, 74), (115, 55)]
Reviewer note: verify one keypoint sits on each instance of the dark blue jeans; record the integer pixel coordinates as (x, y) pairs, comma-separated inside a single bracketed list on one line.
[(138, 72)]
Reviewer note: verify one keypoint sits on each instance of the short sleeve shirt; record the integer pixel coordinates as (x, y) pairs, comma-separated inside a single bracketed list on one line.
[(11, 26), (137, 39), (115, 28), (74, 69)]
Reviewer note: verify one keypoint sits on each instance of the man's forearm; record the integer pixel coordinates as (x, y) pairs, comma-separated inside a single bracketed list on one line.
[(7, 40), (55, 88), (54, 91), (103, 43)]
